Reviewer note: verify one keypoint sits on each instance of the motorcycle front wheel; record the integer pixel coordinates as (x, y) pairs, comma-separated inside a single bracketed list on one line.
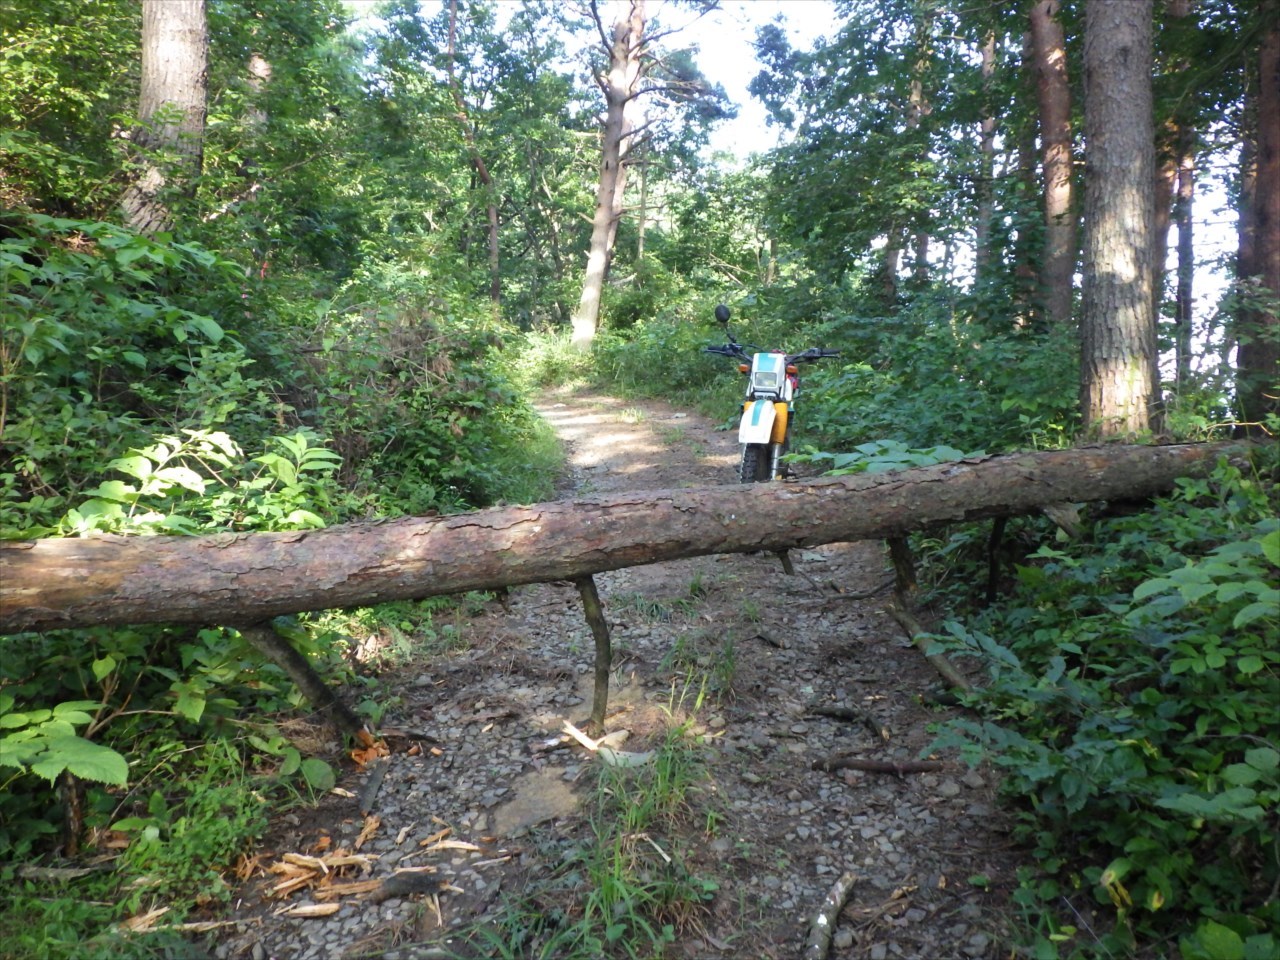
[(755, 463)]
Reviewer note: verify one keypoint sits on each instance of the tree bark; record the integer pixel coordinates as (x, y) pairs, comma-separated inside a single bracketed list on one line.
[(251, 577), (987, 168), (171, 109), (1118, 332), (1053, 94), (1184, 299), (619, 86), (1258, 359)]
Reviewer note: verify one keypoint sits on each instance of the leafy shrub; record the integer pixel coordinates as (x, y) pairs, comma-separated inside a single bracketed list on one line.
[(421, 402), (1131, 706), (100, 346)]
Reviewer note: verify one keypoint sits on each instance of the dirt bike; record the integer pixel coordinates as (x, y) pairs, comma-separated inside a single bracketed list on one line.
[(772, 383)]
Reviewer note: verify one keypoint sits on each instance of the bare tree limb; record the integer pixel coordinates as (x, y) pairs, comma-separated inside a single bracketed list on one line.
[(824, 924)]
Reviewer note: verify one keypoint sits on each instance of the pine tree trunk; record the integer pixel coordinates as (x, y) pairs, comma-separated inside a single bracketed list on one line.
[(171, 110), (1053, 93), (247, 578), (1184, 300), (1258, 384), (1118, 331)]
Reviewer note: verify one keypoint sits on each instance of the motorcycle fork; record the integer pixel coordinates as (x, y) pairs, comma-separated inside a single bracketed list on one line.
[(778, 439)]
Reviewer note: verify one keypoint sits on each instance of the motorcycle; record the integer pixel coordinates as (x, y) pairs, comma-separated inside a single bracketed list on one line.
[(767, 411)]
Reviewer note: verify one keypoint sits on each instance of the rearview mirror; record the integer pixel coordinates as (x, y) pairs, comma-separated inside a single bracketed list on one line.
[(722, 313)]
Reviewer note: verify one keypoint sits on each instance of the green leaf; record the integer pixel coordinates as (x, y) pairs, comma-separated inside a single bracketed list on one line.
[(1263, 758), (1261, 946), (1240, 774), (1271, 547), (116, 490), (207, 326), (1249, 664), (318, 774), (1219, 942), (190, 703), (291, 763), (1149, 588), (134, 466), (305, 519), (183, 477), (85, 759), (103, 666), (1254, 611)]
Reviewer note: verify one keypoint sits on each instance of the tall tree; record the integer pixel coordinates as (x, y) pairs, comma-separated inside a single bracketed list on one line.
[(1258, 359), (1117, 330), (171, 110), (1176, 99), (987, 165), (620, 83), (1053, 94), (477, 162)]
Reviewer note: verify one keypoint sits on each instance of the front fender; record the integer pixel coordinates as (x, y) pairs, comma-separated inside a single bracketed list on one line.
[(757, 421)]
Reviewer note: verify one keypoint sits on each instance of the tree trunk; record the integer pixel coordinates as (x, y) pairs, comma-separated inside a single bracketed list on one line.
[(987, 169), (920, 258), (1053, 94), (619, 87), (1184, 300), (1179, 151), (1026, 254), (171, 110), (251, 577), (1117, 330), (1258, 359), (1164, 189)]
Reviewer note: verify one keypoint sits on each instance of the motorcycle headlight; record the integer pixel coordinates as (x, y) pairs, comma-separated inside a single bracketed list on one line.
[(767, 371)]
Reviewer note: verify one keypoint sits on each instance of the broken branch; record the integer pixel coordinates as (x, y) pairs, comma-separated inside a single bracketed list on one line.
[(896, 767), (824, 924)]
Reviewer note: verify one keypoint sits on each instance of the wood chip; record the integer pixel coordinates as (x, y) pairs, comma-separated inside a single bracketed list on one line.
[(371, 825), (144, 921), (452, 845), (312, 910), (436, 837)]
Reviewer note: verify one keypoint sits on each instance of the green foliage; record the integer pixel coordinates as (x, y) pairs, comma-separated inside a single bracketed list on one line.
[(923, 378), (61, 65), (44, 742), (100, 338), (1131, 705), (203, 483), (183, 844), (422, 403), (883, 456)]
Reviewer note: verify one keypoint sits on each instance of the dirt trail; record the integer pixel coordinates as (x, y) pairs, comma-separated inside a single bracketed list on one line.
[(480, 757)]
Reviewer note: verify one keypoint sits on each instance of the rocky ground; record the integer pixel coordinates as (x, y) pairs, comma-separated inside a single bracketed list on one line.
[(483, 801)]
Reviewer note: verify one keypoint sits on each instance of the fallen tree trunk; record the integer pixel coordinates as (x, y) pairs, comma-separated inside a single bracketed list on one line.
[(245, 578)]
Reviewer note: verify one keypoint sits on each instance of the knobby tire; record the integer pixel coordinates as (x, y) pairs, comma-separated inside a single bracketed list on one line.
[(755, 463)]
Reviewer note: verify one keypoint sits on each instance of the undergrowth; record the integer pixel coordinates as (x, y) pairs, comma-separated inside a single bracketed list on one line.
[(1131, 705), (127, 408)]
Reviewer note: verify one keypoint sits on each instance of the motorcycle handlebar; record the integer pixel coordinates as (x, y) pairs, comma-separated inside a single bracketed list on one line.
[(737, 350), (814, 353)]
